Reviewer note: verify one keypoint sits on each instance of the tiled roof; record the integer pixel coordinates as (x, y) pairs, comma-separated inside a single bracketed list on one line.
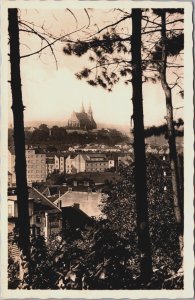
[(37, 196)]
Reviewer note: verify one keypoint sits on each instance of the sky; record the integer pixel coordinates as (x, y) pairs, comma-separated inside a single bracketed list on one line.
[(51, 94)]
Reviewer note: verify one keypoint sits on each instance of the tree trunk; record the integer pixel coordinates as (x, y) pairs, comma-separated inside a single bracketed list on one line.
[(19, 137), (171, 137), (139, 150)]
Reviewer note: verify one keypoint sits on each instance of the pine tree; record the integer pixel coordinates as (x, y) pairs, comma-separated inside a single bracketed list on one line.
[(19, 137)]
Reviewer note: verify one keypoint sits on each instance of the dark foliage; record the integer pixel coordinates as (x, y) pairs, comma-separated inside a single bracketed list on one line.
[(60, 136), (174, 45), (106, 49), (106, 255), (162, 129)]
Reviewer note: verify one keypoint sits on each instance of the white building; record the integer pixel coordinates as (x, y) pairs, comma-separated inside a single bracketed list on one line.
[(75, 164), (88, 202)]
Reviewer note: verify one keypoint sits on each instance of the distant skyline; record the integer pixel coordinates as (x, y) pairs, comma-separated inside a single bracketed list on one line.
[(51, 95)]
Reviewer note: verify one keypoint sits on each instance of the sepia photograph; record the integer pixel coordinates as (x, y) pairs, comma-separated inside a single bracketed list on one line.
[(97, 187)]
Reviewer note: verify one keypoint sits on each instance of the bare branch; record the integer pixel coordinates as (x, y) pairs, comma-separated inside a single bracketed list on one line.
[(175, 21), (73, 16), (42, 38), (48, 44), (125, 12), (158, 30), (88, 17), (178, 107), (147, 19), (111, 25)]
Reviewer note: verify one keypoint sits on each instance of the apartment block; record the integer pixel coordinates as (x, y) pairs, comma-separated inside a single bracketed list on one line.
[(36, 165)]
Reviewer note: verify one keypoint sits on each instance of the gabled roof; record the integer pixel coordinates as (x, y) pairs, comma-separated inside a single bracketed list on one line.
[(72, 156), (38, 197), (76, 217)]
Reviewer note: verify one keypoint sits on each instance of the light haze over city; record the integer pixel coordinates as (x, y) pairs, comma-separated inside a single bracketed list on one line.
[(51, 94)]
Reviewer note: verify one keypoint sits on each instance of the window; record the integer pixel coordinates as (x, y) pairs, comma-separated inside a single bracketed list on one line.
[(38, 219)]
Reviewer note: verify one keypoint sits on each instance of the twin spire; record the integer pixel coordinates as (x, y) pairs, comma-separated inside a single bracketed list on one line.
[(89, 109)]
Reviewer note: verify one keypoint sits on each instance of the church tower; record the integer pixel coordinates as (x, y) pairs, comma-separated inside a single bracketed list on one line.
[(90, 113), (82, 108)]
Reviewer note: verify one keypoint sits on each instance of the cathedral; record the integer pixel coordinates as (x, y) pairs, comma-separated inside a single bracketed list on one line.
[(82, 120)]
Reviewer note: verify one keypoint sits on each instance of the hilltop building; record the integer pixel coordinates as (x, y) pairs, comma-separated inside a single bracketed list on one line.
[(82, 120)]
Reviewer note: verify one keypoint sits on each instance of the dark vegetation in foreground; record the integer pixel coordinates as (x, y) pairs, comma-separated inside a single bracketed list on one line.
[(106, 255)]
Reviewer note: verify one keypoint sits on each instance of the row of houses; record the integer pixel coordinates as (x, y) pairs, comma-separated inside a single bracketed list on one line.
[(41, 164)]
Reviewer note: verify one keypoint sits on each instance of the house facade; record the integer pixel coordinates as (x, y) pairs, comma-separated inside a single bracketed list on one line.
[(88, 202), (11, 168), (36, 165), (96, 163), (42, 212), (75, 163)]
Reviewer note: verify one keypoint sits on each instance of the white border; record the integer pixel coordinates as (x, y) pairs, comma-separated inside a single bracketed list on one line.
[(188, 154)]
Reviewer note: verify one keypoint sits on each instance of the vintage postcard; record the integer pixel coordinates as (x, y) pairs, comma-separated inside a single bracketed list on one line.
[(97, 149)]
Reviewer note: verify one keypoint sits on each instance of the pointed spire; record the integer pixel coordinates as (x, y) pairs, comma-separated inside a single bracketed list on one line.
[(82, 108), (90, 109)]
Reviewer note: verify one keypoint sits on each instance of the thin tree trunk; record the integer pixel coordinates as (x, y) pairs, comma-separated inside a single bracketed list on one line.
[(171, 137), (19, 137), (139, 150)]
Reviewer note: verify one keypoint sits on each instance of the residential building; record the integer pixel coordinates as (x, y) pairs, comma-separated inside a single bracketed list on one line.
[(75, 163), (42, 212), (36, 165), (11, 167), (96, 162), (111, 162), (62, 163), (57, 162), (9, 179), (50, 165), (88, 202)]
